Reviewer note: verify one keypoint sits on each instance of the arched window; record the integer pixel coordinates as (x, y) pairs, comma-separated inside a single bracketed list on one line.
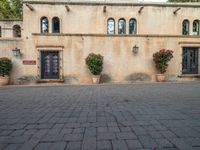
[(0, 31), (44, 25), (16, 31), (132, 26), (122, 26), (111, 26), (55, 25), (196, 27), (185, 27)]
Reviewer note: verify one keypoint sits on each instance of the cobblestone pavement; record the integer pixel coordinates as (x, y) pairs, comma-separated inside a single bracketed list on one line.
[(104, 117)]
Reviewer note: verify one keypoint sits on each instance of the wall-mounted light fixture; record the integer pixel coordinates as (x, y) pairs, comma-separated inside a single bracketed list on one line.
[(16, 52), (135, 49)]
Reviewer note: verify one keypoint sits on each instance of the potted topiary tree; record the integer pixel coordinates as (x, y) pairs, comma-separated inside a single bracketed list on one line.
[(94, 63), (161, 59), (5, 68)]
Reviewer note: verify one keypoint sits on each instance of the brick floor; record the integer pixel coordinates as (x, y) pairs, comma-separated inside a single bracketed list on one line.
[(103, 117)]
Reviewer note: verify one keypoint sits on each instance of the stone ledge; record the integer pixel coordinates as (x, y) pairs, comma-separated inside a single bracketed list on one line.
[(50, 81), (189, 76), (114, 35)]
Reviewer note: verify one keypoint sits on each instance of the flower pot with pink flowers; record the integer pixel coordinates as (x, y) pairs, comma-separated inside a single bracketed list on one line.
[(161, 60)]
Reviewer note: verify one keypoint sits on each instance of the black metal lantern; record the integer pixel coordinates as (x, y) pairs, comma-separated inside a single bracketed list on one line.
[(135, 49), (16, 52)]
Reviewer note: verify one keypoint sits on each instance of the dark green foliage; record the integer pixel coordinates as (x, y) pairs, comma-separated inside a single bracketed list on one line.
[(161, 59), (5, 66), (95, 63), (10, 9)]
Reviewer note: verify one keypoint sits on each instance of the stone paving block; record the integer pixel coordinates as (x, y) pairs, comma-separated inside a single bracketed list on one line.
[(17, 132), (119, 145), (12, 147), (126, 135), (155, 134), (66, 131), (164, 143), (139, 130), (43, 146), (52, 137), (102, 129), (89, 143), (30, 126), (133, 144), (40, 133), (30, 132), (106, 136), (58, 146), (168, 134), (2, 145), (74, 146), (58, 126), (147, 142), (180, 144), (104, 145), (6, 132), (113, 129), (73, 137), (79, 130), (29, 145), (19, 139), (90, 132)]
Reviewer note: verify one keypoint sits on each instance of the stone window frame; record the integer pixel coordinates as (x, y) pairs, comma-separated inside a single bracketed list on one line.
[(110, 19), (124, 32), (41, 24), (195, 28), (53, 29), (16, 31), (135, 22), (186, 27)]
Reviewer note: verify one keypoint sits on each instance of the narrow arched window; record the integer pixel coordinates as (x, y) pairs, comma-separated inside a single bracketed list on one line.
[(55, 25), (185, 27), (0, 31), (196, 27), (132, 26), (122, 26), (16, 31), (111, 26), (44, 25)]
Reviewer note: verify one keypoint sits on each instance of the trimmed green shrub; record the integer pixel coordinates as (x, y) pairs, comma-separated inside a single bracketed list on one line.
[(5, 66), (94, 63)]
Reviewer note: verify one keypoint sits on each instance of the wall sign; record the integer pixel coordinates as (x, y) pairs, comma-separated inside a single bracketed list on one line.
[(29, 62)]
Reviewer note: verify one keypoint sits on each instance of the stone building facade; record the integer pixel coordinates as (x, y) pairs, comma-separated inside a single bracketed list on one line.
[(57, 36)]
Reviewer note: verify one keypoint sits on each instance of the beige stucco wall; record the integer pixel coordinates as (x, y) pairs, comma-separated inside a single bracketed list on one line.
[(84, 30)]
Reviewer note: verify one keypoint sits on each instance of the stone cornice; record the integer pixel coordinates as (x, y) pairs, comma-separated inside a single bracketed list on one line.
[(109, 3), (116, 35)]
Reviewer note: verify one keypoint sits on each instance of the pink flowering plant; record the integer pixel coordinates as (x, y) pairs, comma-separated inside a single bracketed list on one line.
[(162, 58), (94, 63)]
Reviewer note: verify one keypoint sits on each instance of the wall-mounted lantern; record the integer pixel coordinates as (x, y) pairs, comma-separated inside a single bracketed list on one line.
[(16, 52), (135, 49)]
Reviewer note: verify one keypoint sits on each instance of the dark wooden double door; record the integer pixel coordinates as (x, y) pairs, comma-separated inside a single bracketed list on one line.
[(190, 60), (50, 65)]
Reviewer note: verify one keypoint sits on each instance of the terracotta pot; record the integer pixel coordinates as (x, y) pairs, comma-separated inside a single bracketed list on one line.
[(96, 79), (160, 77), (4, 80)]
